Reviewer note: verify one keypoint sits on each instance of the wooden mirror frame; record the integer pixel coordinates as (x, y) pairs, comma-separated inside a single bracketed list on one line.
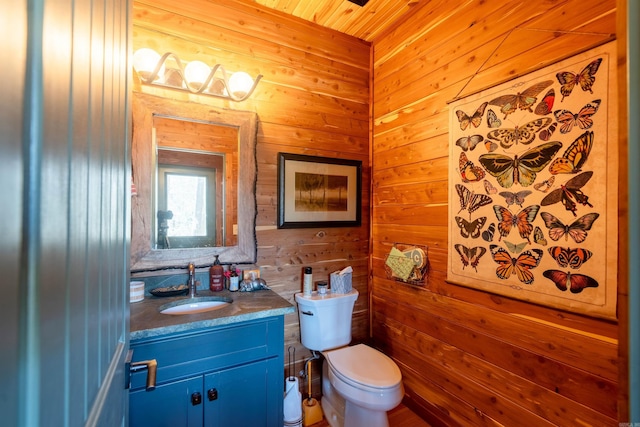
[(143, 257)]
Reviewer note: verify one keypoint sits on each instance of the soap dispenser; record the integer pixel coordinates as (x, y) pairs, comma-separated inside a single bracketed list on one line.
[(216, 276)]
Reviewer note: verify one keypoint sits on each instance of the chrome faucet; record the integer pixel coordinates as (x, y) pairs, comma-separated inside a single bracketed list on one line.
[(192, 280)]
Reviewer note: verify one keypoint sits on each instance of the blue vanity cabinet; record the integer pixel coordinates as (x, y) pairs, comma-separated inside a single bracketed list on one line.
[(230, 375), (245, 395), (168, 405)]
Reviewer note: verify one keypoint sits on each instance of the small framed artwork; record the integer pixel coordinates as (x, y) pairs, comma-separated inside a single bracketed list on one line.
[(318, 191)]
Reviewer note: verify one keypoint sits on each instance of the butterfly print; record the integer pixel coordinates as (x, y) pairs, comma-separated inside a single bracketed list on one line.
[(545, 134), (545, 185), (492, 119), (582, 119), (468, 171), (586, 78), (546, 105), (522, 169), (575, 156), (514, 198), (470, 228), (470, 200), (487, 235), (522, 220), (520, 266), (475, 120), (538, 236), (523, 100), (577, 229), (490, 145), (516, 249), (489, 188), (470, 256), (576, 283), (569, 192), (469, 142), (524, 134), (568, 257)]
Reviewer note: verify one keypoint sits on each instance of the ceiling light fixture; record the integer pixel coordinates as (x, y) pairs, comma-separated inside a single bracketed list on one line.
[(197, 77)]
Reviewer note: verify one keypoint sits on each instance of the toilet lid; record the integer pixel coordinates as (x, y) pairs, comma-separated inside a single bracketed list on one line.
[(364, 365)]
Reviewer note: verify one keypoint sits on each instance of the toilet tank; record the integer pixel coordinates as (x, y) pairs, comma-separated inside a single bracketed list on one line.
[(325, 320)]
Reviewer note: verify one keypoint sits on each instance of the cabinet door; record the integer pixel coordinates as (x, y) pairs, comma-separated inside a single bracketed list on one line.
[(171, 404), (247, 395)]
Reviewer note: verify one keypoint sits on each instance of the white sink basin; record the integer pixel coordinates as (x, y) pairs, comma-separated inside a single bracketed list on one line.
[(194, 305)]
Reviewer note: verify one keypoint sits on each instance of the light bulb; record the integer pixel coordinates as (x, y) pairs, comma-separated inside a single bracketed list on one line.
[(145, 61), (196, 72), (240, 84)]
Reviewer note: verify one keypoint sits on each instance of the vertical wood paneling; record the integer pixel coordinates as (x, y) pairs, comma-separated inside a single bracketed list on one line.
[(79, 169), (313, 99), (69, 324), (13, 26), (54, 212), (469, 357), (94, 210)]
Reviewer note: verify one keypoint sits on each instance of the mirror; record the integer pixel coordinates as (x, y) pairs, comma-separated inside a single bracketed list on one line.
[(196, 176), (184, 147)]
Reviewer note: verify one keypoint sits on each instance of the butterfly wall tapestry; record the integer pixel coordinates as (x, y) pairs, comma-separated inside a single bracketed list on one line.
[(533, 186)]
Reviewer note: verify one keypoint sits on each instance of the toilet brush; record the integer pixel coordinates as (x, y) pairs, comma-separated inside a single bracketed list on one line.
[(310, 406)]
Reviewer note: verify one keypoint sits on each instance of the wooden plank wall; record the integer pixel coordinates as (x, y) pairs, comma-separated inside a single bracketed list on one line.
[(469, 357), (313, 99)]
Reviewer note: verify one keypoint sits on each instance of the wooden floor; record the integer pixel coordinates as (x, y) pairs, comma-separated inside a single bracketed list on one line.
[(401, 416)]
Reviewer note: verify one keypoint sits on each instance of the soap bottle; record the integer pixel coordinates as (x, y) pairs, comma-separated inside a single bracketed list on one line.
[(307, 282), (216, 276), (233, 279)]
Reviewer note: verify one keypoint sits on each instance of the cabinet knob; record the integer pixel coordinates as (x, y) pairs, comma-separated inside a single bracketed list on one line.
[(212, 394), (196, 398)]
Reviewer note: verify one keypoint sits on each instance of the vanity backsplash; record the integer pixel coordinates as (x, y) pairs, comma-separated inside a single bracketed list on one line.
[(181, 278)]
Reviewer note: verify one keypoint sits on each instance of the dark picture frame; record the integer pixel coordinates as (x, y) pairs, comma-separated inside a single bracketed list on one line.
[(318, 191)]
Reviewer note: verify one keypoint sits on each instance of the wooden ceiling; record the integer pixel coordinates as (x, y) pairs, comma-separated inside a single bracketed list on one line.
[(364, 22)]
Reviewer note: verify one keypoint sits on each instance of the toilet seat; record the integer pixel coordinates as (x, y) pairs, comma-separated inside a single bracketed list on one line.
[(354, 365)]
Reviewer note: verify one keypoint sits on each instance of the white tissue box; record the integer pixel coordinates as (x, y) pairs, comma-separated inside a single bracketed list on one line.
[(340, 283)]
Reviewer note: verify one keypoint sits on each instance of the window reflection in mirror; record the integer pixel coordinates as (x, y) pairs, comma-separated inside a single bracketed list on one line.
[(186, 211), (196, 175)]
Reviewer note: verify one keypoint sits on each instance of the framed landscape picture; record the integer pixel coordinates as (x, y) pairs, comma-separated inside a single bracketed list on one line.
[(318, 191)]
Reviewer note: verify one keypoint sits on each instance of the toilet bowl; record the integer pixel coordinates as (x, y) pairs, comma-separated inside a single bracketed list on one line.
[(360, 384)]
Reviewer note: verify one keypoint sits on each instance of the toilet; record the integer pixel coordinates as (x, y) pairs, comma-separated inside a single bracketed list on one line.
[(359, 383)]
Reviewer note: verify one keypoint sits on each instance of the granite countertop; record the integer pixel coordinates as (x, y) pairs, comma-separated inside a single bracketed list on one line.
[(146, 321)]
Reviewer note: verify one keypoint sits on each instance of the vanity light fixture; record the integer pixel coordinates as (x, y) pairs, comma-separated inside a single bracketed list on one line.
[(196, 77)]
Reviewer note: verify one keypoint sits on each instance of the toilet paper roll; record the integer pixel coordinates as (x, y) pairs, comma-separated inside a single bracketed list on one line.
[(292, 402), (136, 291)]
